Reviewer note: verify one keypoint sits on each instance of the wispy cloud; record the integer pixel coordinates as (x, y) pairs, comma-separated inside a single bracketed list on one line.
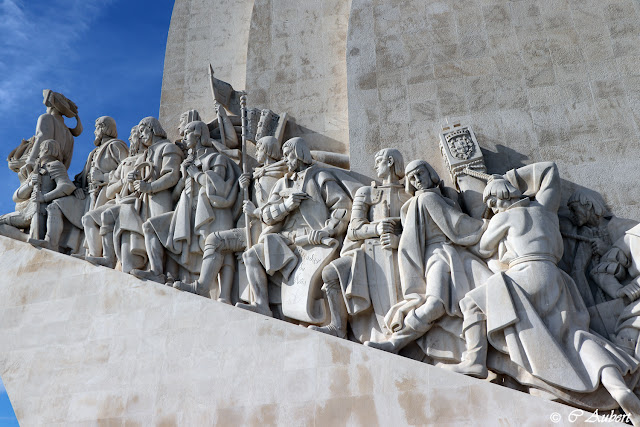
[(36, 41)]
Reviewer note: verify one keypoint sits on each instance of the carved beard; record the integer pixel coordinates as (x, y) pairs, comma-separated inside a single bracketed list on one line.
[(98, 140)]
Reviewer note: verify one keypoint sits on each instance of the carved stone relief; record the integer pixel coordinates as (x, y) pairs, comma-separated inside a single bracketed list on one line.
[(485, 279)]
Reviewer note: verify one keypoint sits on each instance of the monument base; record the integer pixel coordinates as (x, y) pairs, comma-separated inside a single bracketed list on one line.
[(80, 343)]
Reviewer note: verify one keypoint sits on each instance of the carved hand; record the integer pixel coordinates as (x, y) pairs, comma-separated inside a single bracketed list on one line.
[(385, 226), (96, 176), (193, 171), (244, 180), (34, 179), (250, 209), (79, 193), (389, 241), (39, 197), (294, 200), (599, 246), (132, 176), (316, 236), (142, 186), (27, 169), (631, 291)]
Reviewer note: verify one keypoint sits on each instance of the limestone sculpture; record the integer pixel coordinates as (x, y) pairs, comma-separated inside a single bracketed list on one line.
[(147, 192), (51, 126), (219, 245), (208, 202), (618, 275), (436, 272), (99, 223), (589, 233), (64, 216), (363, 284), (308, 207), (47, 182), (469, 278), (532, 312)]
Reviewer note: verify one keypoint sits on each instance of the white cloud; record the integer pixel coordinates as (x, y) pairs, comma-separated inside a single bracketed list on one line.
[(36, 41)]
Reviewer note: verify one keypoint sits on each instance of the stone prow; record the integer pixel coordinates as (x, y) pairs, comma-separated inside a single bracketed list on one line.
[(81, 343)]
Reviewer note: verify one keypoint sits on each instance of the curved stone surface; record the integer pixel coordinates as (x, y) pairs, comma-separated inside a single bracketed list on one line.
[(296, 64), (537, 80), (202, 32), (89, 344)]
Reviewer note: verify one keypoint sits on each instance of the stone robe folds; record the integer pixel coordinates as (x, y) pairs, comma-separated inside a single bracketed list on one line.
[(536, 319), (104, 158), (48, 127), (623, 262), (201, 210), (165, 158), (433, 263), (371, 204), (329, 191)]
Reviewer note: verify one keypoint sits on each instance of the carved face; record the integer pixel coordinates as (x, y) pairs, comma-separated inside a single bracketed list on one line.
[(146, 135), (134, 137), (99, 132), (498, 205), (383, 166), (580, 214), (191, 139), (420, 178), (291, 160)]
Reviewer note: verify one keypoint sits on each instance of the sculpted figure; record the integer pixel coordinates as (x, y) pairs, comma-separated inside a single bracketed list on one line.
[(186, 118), (68, 211), (588, 235), (618, 274), (47, 182), (220, 245), (148, 183), (209, 194), (51, 126), (352, 283), (99, 223), (436, 271), (531, 312), (308, 203)]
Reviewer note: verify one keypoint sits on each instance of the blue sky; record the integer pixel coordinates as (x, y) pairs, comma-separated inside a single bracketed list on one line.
[(106, 56)]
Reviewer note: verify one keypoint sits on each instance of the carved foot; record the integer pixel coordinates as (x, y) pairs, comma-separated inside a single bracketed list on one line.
[(40, 243), (255, 308), (148, 275), (184, 286), (466, 367), (224, 301), (101, 261), (330, 329), (384, 346), (78, 256)]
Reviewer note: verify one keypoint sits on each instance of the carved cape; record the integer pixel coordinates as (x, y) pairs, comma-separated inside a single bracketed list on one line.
[(201, 210), (534, 310)]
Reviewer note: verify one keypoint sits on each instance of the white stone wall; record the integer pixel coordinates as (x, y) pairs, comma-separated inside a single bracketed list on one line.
[(202, 32), (296, 63), (538, 80), (85, 345)]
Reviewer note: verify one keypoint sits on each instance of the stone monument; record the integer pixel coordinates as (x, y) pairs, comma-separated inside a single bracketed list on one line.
[(382, 214)]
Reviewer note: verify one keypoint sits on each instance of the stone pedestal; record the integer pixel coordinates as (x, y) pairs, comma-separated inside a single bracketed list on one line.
[(81, 344)]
